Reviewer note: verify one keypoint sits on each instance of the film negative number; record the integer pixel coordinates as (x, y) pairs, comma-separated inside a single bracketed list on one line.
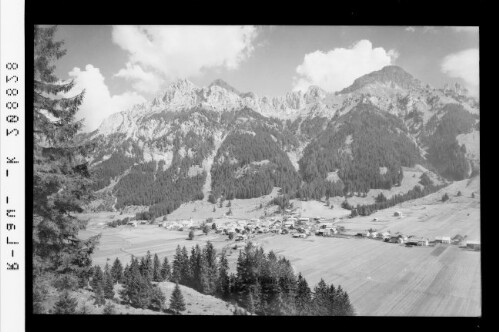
[(11, 65), (8, 79), (12, 105), (11, 92), (12, 118), (12, 131)]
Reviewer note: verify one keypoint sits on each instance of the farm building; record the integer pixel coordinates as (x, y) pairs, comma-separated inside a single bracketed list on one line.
[(397, 214), (326, 225), (473, 245), (375, 219), (386, 235), (442, 239), (393, 239), (132, 223), (373, 235), (418, 241)]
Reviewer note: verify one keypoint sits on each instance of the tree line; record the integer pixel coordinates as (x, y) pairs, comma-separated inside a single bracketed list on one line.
[(263, 284), (381, 202)]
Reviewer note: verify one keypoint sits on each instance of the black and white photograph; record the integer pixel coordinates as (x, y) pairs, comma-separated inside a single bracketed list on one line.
[(256, 170)]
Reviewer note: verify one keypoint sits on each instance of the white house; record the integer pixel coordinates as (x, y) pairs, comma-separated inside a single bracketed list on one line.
[(303, 219), (132, 223), (442, 239), (386, 235)]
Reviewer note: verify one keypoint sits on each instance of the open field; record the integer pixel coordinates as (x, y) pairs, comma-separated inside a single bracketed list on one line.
[(124, 241), (429, 216), (385, 279)]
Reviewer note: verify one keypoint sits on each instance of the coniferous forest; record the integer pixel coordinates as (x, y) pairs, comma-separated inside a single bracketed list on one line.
[(264, 284)]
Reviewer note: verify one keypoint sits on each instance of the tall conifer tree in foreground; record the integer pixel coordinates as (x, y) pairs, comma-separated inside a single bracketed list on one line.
[(61, 181)]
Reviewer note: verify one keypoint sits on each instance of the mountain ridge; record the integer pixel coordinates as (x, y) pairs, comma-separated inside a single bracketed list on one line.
[(294, 141)]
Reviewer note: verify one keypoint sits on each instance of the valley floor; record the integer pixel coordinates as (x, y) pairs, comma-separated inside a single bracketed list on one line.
[(382, 279)]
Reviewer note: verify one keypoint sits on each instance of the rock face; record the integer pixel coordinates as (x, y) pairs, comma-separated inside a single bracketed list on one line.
[(220, 131)]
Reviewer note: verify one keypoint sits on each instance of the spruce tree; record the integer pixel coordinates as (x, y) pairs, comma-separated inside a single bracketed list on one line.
[(157, 299), (146, 267), (109, 309), (166, 273), (117, 271), (321, 299), (210, 256), (177, 265), (137, 289), (65, 304), (223, 282), (177, 303), (303, 297), (97, 279), (100, 299), (157, 269), (108, 285), (186, 274), (250, 303), (61, 181)]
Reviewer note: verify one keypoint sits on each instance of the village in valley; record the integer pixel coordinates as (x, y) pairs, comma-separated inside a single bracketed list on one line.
[(393, 247)]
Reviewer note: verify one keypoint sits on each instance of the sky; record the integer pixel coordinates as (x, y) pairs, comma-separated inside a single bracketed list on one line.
[(119, 66)]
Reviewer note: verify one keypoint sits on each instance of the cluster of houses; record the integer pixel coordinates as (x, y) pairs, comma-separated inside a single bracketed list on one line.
[(393, 238)]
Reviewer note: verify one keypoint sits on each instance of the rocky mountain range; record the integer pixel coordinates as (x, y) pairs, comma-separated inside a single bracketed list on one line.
[(215, 142)]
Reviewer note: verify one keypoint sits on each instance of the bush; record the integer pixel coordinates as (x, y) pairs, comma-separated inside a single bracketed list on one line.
[(40, 292), (66, 282), (206, 229), (65, 304), (459, 193), (346, 205), (445, 197), (157, 299), (191, 235), (109, 309)]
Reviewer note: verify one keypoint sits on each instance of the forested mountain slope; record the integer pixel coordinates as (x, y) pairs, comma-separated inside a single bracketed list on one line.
[(311, 144)]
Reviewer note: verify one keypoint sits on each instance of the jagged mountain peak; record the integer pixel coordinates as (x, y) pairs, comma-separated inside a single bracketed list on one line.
[(221, 83), (393, 75)]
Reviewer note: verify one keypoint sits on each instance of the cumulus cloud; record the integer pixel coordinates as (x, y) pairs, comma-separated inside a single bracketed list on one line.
[(464, 65), (98, 102), (338, 68), (172, 52), (142, 81)]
